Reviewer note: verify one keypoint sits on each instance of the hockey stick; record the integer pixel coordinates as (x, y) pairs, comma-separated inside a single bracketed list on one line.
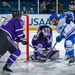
[(31, 46), (34, 47), (54, 45), (51, 51)]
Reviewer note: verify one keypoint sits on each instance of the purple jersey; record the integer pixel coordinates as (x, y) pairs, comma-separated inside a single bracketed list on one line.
[(43, 42), (14, 28)]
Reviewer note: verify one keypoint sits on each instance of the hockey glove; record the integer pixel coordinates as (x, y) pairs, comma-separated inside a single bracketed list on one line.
[(23, 41), (58, 38), (69, 18)]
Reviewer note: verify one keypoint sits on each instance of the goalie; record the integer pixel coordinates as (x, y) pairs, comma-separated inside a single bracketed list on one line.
[(42, 43)]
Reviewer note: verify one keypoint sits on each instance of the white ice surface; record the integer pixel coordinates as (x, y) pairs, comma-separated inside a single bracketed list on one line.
[(20, 67)]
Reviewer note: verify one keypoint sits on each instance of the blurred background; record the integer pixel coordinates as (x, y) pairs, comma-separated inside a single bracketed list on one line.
[(34, 6)]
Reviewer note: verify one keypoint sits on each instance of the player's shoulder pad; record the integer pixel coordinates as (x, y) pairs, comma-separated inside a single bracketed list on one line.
[(68, 13)]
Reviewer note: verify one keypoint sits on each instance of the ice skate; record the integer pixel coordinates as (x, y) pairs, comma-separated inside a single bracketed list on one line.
[(6, 71), (72, 61)]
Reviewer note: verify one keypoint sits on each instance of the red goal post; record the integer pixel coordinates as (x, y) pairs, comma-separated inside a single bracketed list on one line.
[(26, 27)]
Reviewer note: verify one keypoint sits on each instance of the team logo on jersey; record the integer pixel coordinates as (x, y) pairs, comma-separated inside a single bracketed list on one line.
[(40, 45)]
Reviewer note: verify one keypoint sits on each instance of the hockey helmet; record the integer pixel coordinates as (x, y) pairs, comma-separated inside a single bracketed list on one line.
[(72, 3), (45, 32), (16, 14), (54, 19), (52, 16)]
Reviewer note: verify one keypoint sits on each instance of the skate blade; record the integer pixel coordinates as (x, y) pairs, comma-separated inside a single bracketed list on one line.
[(5, 73)]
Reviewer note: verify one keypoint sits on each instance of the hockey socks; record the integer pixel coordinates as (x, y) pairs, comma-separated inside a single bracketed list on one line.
[(71, 56), (12, 58), (71, 53)]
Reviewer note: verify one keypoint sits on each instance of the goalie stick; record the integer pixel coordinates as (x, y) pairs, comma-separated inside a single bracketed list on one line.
[(35, 48), (51, 51)]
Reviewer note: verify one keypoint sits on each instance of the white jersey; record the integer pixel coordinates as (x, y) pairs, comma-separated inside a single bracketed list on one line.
[(60, 25), (68, 30), (2, 18)]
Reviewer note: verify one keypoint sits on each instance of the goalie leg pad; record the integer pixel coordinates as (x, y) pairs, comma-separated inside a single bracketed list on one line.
[(54, 55), (41, 55)]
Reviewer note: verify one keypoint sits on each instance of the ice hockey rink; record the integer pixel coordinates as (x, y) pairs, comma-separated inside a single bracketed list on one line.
[(21, 67)]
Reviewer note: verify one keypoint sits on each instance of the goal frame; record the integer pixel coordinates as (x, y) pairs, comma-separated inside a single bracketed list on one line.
[(27, 35)]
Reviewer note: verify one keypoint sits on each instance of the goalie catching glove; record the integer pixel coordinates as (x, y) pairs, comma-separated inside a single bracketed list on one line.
[(24, 41)]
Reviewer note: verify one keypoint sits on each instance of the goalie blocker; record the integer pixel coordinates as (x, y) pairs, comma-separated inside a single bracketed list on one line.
[(42, 42)]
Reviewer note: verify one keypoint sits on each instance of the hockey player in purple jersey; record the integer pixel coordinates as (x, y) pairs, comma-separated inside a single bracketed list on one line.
[(42, 42), (10, 32)]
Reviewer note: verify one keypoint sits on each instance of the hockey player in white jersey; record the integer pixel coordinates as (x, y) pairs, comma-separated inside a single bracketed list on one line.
[(2, 19), (5, 18), (66, 28)]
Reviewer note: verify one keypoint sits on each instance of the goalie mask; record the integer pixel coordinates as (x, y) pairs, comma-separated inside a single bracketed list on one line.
[(16, 14), (45, 33)]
